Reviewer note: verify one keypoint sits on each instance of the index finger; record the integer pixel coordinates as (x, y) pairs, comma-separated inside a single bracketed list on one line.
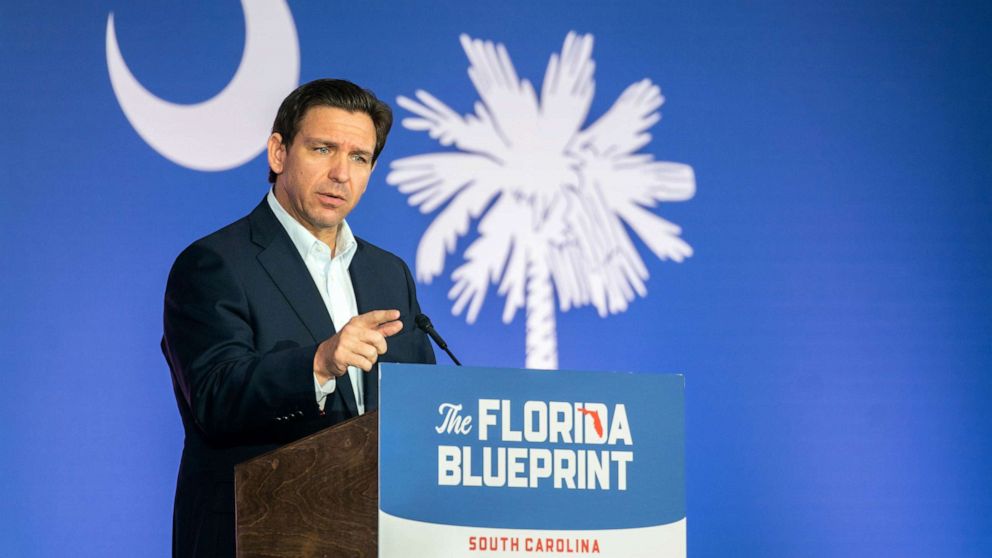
[(376, 318)]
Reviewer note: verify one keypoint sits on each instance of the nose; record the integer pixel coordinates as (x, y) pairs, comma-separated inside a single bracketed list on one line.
[(340, 169)]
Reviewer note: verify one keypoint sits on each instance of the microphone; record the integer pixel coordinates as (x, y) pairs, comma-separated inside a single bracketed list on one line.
[(424, 323)]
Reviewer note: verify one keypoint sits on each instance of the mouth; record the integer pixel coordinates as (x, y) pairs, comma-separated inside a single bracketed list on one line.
[(330, 199)]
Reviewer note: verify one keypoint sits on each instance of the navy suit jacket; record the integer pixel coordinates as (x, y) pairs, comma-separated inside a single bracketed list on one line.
[(243, 320)]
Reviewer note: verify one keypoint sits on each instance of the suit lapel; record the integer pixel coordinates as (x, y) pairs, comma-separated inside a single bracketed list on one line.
[(361, 276), (282, 261), (362, 281)]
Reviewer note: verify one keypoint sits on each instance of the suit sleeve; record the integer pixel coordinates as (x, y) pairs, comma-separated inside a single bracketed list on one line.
[(228, 385), (424, 351)]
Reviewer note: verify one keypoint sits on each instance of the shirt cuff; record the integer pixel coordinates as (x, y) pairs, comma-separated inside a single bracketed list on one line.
[(322, 391)]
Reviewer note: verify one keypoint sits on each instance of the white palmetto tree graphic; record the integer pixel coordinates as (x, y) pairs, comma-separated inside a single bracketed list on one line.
[(552, 198)]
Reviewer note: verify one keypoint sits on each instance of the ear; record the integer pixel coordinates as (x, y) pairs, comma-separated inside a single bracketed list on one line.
[(277, 153)]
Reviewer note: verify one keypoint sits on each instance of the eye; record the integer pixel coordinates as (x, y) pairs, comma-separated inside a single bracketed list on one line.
[(323, 150), (360, 158)]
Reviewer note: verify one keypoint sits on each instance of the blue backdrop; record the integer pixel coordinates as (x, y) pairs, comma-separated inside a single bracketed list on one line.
[(833, 323)]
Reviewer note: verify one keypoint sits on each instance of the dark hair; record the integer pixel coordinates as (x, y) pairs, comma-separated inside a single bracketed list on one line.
[(336, 93)]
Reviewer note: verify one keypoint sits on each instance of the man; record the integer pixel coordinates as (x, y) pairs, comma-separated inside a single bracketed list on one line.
[(274, 324)]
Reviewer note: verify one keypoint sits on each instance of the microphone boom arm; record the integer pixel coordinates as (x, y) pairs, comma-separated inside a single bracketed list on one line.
[(424, 323)]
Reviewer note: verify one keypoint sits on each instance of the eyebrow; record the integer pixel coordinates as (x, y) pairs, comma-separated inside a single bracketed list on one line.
[(332, 143)]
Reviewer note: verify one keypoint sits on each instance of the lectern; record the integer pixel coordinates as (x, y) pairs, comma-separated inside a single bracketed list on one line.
[(462, 462), (316, 497)]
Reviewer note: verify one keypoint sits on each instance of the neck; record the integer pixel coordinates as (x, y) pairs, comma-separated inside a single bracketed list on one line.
[(328, 237)]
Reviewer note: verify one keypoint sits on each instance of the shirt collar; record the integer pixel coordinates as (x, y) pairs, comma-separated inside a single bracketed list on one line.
[(304, 240)]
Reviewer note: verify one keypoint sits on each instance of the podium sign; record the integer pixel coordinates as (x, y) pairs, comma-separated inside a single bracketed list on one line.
[(496, 462)]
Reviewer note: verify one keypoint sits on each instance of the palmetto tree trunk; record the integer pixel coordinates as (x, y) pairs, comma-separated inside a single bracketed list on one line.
[(542, 335)]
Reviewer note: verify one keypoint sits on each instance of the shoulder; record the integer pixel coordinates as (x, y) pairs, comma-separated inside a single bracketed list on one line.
[(228, 241), (379, 270), (218, 258), (372, 255), (237, 241)]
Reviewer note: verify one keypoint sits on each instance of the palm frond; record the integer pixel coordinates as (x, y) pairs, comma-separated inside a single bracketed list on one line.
[(514, 282), (510, 100), (474, 133), (485, 260), (452, 222), (567, 90), (624, 269), (641, 180), (431, 180), (622, 128), (661, 235)]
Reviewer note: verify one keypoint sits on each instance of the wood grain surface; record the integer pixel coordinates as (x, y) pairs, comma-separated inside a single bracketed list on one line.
[(315, 497)]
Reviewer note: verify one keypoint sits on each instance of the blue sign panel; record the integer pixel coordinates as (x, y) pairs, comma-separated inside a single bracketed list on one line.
[(511, 450)]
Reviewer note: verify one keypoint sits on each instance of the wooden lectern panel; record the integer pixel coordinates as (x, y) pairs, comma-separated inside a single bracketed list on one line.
[(318, 496)]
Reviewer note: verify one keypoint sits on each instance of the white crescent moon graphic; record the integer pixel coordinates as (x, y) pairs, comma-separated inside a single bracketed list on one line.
[(230, 129)]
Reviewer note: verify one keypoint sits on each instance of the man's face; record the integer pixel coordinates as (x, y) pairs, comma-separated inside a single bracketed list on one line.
[(324, 172)]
